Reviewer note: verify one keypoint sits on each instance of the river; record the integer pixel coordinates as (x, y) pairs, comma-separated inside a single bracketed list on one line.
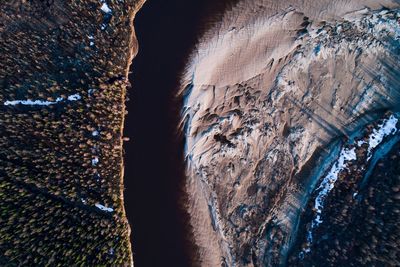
[(154, 166)]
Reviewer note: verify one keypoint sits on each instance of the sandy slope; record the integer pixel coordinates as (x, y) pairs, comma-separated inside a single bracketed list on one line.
[(265, 90)]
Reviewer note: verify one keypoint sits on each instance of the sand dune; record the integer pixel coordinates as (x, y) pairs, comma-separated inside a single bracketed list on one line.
[(265, 92)]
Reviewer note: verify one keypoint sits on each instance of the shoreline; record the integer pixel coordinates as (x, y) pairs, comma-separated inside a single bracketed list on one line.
[(134, 47)]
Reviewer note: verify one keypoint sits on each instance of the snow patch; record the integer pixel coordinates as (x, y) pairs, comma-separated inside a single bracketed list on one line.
[(74, 97), (105, 8), (95, 160), (103, 208), (388, 127), (360, 143), (327, 184), (29, 102), (91, 40)]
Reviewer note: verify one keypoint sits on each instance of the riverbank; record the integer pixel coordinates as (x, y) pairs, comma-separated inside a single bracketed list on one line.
[(133, 50)]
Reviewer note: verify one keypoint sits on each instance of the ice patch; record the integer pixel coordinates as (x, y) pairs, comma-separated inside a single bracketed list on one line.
[(103, 208)]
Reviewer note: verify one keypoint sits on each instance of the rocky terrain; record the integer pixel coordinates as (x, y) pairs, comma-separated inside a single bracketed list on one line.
[(290, 118), (63, 77)]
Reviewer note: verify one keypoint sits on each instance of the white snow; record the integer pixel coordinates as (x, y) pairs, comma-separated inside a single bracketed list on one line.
[(360, 143), (105, 8), (387, 128), (103, 208), (91, 91), (95, 161), (327, 184), (385, 25), (74, 97), (91, 40), (30, 102), (383, 12)]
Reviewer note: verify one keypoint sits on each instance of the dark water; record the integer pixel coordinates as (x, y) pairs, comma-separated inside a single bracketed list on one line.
[(154, 173)]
